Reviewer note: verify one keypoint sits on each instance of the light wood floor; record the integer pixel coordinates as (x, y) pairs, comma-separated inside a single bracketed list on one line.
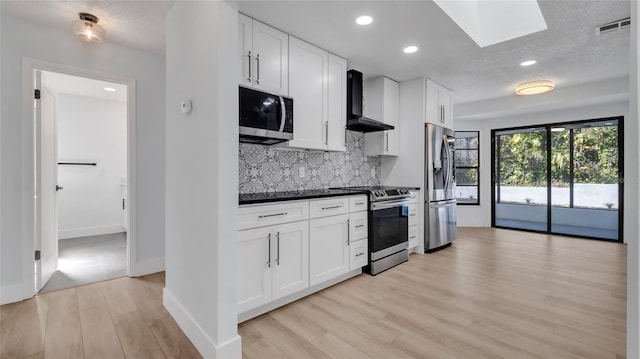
[(494, 294), (119, 318)]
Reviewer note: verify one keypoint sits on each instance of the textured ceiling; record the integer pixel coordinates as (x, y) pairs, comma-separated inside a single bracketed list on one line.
[(567, 52)]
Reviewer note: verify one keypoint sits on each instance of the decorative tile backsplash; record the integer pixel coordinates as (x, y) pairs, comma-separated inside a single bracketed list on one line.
[(267, 169)]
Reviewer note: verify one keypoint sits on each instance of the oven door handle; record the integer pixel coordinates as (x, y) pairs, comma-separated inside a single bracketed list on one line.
[(389, 204)]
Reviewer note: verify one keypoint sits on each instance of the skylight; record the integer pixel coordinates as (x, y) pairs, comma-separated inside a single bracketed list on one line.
[(489, 22)]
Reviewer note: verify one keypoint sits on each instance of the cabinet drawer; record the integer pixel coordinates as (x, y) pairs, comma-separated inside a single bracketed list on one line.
[(357, 203), (358, 254), (328, 207), (413, 236), (413, 214), (358, 226), (252, 216), (413, 196)]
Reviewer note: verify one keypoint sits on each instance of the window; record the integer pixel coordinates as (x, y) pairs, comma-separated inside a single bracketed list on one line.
[(467, 160)]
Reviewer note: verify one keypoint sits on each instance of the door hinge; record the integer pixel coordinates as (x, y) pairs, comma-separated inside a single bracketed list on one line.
[(36, 94), (37, 255)]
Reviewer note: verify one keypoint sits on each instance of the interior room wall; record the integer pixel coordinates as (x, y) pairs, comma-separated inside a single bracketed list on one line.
[(267, 169), (91, 130), (201, 175), (480, 216), (23, 39)]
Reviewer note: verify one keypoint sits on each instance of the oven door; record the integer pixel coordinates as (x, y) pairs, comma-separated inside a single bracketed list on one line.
[(388, 228)]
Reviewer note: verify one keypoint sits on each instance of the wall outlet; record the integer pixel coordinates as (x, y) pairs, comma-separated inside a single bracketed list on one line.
[(301, 172)]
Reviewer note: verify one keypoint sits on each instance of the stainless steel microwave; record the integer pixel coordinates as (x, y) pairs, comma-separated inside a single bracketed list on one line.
[(265, 118)]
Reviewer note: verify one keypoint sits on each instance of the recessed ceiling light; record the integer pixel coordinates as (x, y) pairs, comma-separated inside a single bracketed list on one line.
[(110, 89), (364, 20), (528, 63), (535, 87), (557, 129), (410, 49)]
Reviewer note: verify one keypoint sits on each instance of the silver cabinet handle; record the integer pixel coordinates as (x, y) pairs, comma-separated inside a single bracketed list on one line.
[(278, 248), (359, 203), (386, 138), (269, 259), (272, 215), (348, 233), (332, 207), (360, 254), (258, 69), (360, 226), (249, 56), (326, 133)]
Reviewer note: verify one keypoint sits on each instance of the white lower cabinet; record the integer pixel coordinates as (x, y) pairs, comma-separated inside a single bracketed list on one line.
[(329, 250), (272, 262), (282, 258)]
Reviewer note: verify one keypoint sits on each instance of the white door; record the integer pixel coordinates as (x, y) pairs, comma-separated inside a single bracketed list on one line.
[(254, 260), (291, 248), (329, 252), (47, 186)]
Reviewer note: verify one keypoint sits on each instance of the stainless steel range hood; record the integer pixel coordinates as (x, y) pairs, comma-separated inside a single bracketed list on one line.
[(355, 120)]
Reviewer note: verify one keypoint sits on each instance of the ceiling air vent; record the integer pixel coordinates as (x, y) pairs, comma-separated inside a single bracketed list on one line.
[(613, 26)]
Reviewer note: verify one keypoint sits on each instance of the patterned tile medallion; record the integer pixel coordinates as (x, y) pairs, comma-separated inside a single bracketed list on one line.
[(267, 169)]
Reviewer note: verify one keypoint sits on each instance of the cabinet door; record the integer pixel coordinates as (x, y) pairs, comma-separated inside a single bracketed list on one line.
[(270, 61), (253, 268), (383, 96), (445, 102), (291, 258), (413, 236), (392, 116), (245, 46), (358, 228), (337, 103), (308, 87), (328, 249)]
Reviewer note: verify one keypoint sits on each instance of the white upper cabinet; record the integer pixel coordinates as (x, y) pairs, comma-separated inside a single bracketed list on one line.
[(383, 98), (439, 105), (308, 72), (337, 106), (263, 56), (317, 84)]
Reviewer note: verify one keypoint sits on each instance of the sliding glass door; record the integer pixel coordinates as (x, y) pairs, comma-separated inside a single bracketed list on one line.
[(569, 184)]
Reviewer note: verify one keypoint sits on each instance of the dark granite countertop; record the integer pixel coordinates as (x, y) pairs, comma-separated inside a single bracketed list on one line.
[(264, 197)]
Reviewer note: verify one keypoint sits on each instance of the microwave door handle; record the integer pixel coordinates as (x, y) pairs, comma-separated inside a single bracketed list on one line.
[(283, 113)]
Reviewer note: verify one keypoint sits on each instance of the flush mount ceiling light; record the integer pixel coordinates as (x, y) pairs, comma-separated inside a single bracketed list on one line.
[(87, 28), (410, 49), (528, 63), (110, 89), (535, 87), (364, 20)]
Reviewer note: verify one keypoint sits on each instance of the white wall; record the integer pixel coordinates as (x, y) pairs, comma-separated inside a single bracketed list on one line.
[(91, 130), (631, 179), (22, 39), (202, 175), (480, 216)]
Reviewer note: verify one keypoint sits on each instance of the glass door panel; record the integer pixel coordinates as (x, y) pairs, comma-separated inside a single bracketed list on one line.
[(521, 191), (588, 206)]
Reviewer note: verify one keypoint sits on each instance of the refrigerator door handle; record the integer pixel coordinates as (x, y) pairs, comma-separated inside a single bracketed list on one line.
[(446, 166)]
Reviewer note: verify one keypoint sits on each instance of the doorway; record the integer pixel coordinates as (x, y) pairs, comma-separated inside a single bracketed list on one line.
[(81, 166), (563, 178)]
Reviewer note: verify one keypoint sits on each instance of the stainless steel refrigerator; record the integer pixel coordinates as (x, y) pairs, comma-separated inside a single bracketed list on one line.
[(439, 197)]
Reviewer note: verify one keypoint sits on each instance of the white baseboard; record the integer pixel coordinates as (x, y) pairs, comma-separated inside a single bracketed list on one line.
[(11, 293), (147, 267), (207, 347), (90, 231)]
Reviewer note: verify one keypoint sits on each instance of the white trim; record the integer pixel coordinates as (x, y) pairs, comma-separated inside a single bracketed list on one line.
[(10, 294), (205, 345), (90, 231), (29, 204), (147, 267)]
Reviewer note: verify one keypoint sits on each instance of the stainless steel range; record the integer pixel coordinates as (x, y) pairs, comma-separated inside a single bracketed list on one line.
[(388, 227)]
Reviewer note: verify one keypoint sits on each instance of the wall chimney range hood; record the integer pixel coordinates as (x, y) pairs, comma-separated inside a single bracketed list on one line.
[(355, 120)]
